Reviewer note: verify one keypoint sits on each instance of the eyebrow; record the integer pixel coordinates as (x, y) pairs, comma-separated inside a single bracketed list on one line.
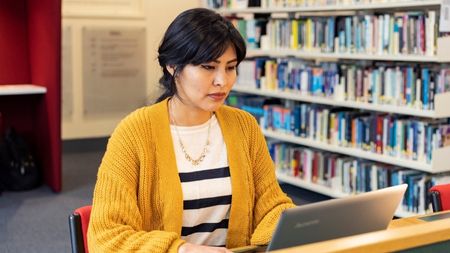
[(234, 60)]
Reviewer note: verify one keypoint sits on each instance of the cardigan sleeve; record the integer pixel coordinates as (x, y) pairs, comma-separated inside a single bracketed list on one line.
[(270, 200), (116, 224)]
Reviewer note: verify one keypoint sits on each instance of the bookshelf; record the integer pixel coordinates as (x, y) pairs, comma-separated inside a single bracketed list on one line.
[(442, 102), (324, 190), (268, 47), (30, 89), (333, 7), (439, 162), (350, 56)]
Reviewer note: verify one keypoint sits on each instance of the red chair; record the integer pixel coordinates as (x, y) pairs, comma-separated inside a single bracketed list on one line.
[(440, 197), (78, 224)]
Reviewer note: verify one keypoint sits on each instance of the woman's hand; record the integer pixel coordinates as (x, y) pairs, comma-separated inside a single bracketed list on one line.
[(194, 248)]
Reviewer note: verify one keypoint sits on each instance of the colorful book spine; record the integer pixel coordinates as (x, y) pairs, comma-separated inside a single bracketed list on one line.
[(407, 137), (347, 175), (390, 33), (394, 85)]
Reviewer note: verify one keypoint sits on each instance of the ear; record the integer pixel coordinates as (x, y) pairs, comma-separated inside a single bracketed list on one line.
[(171, 69)]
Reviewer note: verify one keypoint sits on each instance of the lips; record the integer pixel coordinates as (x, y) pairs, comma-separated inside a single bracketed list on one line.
[(217, 96)]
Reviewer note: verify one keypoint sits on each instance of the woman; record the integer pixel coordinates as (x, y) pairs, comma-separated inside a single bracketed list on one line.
[(188, 174)]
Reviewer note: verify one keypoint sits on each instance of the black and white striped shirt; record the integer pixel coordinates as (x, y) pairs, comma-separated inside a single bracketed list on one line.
[(206, 187)]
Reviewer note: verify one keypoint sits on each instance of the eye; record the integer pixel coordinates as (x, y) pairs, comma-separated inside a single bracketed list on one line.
[(231, 68), (208, 67)]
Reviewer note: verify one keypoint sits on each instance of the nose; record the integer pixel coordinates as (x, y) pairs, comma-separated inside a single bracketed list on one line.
[(220, 79)]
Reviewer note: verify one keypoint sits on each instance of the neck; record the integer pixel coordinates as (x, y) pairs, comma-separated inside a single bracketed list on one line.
[(182, 114)]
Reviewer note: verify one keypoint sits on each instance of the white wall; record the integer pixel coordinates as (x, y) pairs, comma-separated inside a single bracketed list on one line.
[(159, 15), (154, 16)]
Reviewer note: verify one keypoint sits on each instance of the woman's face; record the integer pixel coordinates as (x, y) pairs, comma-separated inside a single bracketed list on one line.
[(206, 86)]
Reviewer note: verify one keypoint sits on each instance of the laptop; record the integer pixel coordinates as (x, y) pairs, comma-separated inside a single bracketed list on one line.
[(330, 219)]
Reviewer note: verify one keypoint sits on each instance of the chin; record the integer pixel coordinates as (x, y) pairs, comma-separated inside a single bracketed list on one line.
[(214, 107)]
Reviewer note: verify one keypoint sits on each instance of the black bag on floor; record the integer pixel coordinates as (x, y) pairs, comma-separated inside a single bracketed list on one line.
[(18, 170)]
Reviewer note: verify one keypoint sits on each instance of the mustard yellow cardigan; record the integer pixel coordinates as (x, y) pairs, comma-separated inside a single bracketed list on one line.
[(138, 201)]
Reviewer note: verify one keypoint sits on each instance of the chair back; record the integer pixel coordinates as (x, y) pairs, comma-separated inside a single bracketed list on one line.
[(78, 224), (440, 197)]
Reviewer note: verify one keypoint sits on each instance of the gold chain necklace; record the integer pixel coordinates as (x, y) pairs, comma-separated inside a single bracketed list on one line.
[(197, 161)]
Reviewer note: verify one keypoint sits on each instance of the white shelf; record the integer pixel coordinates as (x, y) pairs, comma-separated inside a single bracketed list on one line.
[(327, 191), (334, 8), (21, 89), (403, 214), (350, 56), (442, 102), (310, 186), (439, 163)]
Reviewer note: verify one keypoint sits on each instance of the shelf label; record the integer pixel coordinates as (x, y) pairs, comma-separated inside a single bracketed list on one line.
[(114, 71), (444, 21)]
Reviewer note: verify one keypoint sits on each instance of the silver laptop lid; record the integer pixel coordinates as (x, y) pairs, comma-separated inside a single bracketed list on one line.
[(330, 219)]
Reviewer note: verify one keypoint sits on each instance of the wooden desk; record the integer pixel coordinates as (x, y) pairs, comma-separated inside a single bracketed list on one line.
[(403, 222), (402, 234)]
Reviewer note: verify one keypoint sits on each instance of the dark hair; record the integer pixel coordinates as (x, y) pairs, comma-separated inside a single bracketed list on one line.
[(195, 36)]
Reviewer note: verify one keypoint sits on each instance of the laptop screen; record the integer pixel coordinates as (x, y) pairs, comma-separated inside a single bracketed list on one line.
[(330, 219)]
